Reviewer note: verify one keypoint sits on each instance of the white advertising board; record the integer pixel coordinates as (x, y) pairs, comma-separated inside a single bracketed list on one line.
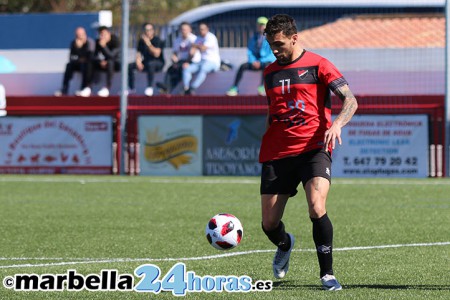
[(170, 145), (50, 145), (383, 146)]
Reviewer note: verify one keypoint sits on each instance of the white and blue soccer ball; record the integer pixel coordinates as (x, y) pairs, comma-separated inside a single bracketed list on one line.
[(224, 231)]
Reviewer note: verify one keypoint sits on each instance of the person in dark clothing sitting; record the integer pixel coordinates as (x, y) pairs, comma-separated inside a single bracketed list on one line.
[(80, 60), (106, 59), (149, 58)]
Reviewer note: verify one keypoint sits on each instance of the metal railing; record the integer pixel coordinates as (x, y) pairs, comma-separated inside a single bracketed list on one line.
[(228, 35)]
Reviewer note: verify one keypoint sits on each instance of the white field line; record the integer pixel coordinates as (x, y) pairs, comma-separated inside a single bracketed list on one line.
[(211, 180), (79, 261), (206, 180)]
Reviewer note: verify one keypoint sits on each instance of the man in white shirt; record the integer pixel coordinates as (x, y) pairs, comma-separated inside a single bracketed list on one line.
[(181, 58), (208, 47)]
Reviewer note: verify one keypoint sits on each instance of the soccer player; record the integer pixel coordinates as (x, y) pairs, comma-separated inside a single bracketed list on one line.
[(298, 141)]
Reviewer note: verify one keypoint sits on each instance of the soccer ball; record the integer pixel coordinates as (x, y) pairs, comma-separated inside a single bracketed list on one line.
[(224, 231)]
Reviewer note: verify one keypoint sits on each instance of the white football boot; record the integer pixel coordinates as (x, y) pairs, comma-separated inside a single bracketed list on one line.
[(281, 260)]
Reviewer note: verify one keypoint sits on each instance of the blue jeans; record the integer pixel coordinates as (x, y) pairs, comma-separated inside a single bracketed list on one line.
[(201, 69)]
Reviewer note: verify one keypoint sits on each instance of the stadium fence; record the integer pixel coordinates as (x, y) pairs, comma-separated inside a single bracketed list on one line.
[(432, 106)]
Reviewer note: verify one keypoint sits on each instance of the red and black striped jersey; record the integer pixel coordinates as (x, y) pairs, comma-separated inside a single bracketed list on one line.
[(299, 99)]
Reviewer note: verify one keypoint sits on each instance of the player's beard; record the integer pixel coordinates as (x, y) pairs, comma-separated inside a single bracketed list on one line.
[(283, 59)]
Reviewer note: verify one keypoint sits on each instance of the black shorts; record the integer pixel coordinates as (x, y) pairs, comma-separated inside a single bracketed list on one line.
[(282, 176)]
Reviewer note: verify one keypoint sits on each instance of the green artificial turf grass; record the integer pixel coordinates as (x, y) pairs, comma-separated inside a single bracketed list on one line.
[(385, 242)]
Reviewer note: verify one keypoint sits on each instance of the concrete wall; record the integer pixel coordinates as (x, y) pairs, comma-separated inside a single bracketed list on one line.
[(369, 71)]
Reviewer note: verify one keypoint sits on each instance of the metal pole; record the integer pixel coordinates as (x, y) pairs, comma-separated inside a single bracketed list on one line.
[(447, 89), (124, 83)]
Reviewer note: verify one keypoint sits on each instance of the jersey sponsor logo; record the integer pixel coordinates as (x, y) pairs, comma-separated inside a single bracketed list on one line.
[(294, 116)]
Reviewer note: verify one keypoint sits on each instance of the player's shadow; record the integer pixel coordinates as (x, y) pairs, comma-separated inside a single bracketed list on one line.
[(424, 287), (293, 285)]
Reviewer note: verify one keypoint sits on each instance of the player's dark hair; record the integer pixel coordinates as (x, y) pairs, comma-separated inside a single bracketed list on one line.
[(281, 23)]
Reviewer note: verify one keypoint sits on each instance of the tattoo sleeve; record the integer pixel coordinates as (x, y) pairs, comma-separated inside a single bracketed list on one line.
[(349, 104)]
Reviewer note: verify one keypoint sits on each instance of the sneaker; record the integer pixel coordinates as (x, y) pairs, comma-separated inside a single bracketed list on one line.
[(104, 92), (330, 283), (162, 88), (261, 90), (189, 91), (233, 91), (86, 92), (281, 260), (57, 94), (148, 91)]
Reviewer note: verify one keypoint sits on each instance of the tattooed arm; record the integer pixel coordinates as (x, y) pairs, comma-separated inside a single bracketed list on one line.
[(349, 107)]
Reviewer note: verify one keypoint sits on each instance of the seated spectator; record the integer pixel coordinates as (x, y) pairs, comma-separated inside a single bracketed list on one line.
[(106, 59), (208, 46), (80, 59), (181, 58), (149, 58), (259, 55)]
